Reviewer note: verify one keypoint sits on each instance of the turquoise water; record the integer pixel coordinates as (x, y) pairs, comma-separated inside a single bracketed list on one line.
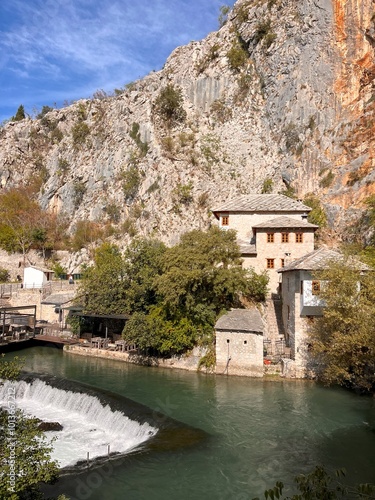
[(260, 431)]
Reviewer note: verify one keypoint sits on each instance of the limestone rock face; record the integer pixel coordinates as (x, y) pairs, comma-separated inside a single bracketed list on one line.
[(298, 109)]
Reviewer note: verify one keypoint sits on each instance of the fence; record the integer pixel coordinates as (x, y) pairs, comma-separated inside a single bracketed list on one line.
[(8, 289)]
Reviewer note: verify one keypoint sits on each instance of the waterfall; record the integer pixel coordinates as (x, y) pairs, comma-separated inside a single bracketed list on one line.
[(89, 426)]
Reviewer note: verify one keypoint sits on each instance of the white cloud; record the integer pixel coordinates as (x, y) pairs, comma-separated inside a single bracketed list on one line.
[(86, 43)]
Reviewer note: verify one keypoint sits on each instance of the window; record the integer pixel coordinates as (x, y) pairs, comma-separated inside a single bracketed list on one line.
[(270, 263), (315, 287), (284, 237), (301, 287), (282, 262), (288, 312), (245, 342), (299, 237), (225, 220), (270, 237)]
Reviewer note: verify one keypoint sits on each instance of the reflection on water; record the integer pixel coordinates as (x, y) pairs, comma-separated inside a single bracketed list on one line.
[(261, 431)]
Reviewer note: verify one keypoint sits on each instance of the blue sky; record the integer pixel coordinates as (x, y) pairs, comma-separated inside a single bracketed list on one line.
[(53, 51)]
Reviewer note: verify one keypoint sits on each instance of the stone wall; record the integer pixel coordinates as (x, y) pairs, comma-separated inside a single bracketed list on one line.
[(188, 362), (244, 350), (295, 326)]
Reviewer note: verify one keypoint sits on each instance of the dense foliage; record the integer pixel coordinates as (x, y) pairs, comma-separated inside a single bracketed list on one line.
[(169, 105), (173, 294), (25, 452), (24, 225), (343, 341), (20, 114), (321, 485)]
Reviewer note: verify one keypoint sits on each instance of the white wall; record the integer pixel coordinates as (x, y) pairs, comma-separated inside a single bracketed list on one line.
[(33, 278)]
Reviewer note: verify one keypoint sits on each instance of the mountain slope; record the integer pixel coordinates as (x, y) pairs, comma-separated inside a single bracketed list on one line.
[(283, 92)]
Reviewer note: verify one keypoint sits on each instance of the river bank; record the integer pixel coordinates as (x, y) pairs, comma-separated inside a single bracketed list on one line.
[(189, 361)]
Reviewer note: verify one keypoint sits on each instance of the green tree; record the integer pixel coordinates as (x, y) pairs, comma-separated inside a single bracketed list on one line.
[(123, 284), (343, 342), (4, 275), (317, 214), (143, 263), (10, 370), (321, 485), (190, 285), (202, 272), (45, 110), (20, 115), (24, 450), (104, 283), (19, 216)]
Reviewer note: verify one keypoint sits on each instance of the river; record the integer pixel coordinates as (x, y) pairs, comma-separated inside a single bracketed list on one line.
[(259, 431)]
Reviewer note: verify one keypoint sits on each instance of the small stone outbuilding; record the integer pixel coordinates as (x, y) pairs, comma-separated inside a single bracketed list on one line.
[(239, 343)]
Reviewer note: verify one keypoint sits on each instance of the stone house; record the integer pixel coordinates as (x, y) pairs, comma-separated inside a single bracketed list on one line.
[(239, 343), (272, 229), (301, 302)]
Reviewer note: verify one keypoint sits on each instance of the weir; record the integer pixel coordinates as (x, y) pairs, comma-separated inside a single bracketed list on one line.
[(95, 421)]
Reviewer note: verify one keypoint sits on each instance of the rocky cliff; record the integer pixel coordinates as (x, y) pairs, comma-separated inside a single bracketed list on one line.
[(282, 96)]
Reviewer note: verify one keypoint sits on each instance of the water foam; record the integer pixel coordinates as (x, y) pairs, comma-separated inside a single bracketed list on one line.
[(88, 425)]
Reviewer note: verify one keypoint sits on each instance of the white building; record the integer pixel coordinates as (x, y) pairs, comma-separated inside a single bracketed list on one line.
[(272, 230), (301, 302), (36, 277)]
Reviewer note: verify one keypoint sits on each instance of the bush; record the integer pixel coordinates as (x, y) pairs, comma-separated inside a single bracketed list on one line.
[(267, 186), (262, 29), (237, 56), (183, 193), (223, 17), (243, 82), (136, 136), (221, 111), (20, 115), (79, 190), (169, 105), (327, 181), (59, 270), (317, 214), (45, 110), (80, 131), (86, 232), (131, 181), (4, 275)]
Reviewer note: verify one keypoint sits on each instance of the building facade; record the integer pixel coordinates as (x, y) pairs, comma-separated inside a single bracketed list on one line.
[(272, 230), (34, 277), (301, 301), (239, 343)]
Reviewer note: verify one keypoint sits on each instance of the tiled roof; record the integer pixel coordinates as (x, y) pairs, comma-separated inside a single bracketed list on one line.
[(318, 259), (262, 203), (43, 269), (58, 298), (286, 222), (242, 320), (247, 247)]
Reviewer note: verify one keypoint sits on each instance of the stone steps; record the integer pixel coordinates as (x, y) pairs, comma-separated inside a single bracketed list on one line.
[(274, 335)]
